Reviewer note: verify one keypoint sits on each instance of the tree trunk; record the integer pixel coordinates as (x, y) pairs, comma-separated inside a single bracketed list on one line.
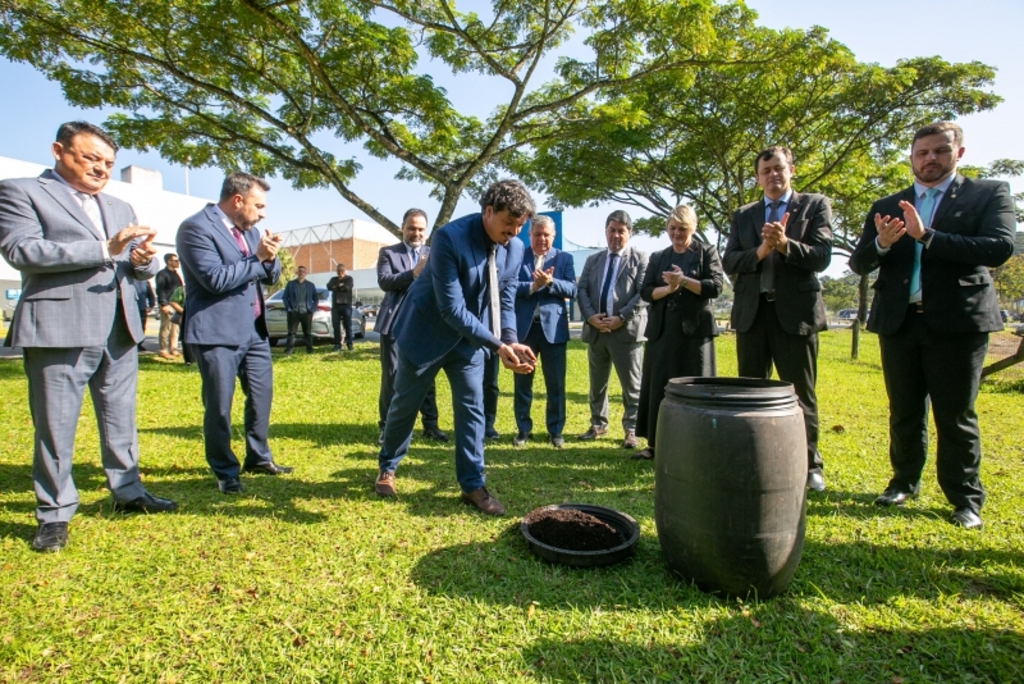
[(862, 315)]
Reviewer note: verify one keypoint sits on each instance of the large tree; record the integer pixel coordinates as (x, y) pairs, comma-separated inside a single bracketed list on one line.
[(654, 143), (281, 86), (658, 141)]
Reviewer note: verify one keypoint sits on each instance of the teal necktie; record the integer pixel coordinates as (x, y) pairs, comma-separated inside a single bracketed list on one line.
[(925, 209)]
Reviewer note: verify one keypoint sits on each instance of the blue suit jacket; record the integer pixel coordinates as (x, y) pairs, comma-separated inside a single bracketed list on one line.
[(291, 296), (394, 277), (219, 282), (447, 306), (554, 315)]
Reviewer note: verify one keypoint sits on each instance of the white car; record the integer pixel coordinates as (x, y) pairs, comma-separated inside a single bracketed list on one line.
[(277, 319)]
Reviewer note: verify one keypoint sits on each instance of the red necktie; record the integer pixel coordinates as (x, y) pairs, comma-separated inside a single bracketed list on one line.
[(240, 241)]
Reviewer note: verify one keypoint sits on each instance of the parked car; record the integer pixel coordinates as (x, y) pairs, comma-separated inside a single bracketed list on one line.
[(370, 310), (1005, 315), (277, 318), (847, 314)]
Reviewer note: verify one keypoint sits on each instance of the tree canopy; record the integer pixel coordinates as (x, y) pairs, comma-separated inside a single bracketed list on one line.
[(664, 140), (282, 86)]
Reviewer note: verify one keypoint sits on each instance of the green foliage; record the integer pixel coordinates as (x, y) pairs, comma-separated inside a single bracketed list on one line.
[(1009, 279), (840, 293), (287, 262), (283, 87), (692, 135), (313, 578)]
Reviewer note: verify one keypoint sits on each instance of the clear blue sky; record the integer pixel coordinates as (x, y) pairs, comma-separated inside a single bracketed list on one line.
[(876, 31)]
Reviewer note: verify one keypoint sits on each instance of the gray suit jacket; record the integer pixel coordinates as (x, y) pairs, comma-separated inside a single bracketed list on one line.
[(69, 292), (627, 301)]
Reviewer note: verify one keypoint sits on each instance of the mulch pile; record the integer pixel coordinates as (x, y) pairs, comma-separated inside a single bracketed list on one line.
[(572, 530)]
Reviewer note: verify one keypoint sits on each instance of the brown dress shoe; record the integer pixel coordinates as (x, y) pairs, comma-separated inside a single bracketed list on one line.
[(593, 433), (385, 484), (482, 499), (630, 441)]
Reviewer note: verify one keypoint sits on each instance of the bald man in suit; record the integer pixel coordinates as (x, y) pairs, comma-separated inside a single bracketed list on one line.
[(80, 253)]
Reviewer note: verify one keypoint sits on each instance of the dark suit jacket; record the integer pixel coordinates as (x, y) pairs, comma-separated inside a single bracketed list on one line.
[(167, 281), (291, 296), (974, 229), (700, 262), (394, 276), (554, 315), (798, 301), (627, 302), (220, 283), (69, 292), (448, 305)]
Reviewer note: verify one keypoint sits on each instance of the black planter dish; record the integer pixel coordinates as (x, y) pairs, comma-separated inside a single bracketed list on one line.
[(624, 524)]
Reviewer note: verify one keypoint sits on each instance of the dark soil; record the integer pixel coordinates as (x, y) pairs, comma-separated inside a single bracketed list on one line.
[(572, 530)]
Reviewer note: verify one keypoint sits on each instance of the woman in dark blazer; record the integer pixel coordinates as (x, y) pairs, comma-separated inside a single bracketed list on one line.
[(679, 284)]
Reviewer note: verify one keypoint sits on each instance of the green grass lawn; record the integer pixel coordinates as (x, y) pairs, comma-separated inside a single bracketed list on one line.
[(313, 578)]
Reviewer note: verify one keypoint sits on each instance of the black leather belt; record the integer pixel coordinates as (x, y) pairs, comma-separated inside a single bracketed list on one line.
[(917, 307), (768, 296)]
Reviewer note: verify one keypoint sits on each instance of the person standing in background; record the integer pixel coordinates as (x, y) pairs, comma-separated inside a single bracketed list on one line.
[(146, 299), (398, 266), (615, 317), (342, 290), (547, 279), (680, 283), (300, 302), (167, 280)]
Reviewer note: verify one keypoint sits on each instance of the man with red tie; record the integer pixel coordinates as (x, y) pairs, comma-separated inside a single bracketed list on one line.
[(225, 263)]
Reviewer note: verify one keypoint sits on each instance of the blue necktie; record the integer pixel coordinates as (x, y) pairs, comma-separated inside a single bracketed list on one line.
[(925, 209), (613, 263), (768, 263)]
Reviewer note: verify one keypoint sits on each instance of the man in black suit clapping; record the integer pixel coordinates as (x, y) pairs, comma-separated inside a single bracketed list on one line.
[(933, 309)]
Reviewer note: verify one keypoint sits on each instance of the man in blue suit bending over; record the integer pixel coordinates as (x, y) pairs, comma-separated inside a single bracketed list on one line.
[(458, 312), (225, 262), (546, 279)]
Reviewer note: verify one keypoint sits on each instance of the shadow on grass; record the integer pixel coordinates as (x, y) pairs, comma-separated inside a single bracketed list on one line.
[(797, 645), (861, 573), (320, 435)]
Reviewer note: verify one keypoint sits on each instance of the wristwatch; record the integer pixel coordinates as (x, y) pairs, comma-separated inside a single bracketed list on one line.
[(926, 237)]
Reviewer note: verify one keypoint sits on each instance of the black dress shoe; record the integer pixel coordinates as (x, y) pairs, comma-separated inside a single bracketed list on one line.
[(269, 469), (894, 496), (521, 438), (491, 433), (433, 433), (51, 536), (816, 482), (232, 485), (966, 517), (147, 503)]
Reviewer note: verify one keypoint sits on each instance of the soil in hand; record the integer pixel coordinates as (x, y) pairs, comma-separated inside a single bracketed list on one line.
[(572, 530)]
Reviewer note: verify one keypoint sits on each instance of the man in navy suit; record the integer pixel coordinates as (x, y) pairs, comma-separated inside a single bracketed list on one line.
[(547, 279), (225, 262), (80, 252), (458, 312), (933, 309), (397, 267)]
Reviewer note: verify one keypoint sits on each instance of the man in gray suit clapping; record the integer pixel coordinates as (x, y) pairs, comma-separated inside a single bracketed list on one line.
[(80, 253)]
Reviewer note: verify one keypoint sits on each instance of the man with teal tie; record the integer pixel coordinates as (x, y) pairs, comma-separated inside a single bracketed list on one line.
[(933, 308)]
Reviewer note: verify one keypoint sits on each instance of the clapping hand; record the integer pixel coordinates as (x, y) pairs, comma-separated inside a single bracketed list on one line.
[(269, 244)]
